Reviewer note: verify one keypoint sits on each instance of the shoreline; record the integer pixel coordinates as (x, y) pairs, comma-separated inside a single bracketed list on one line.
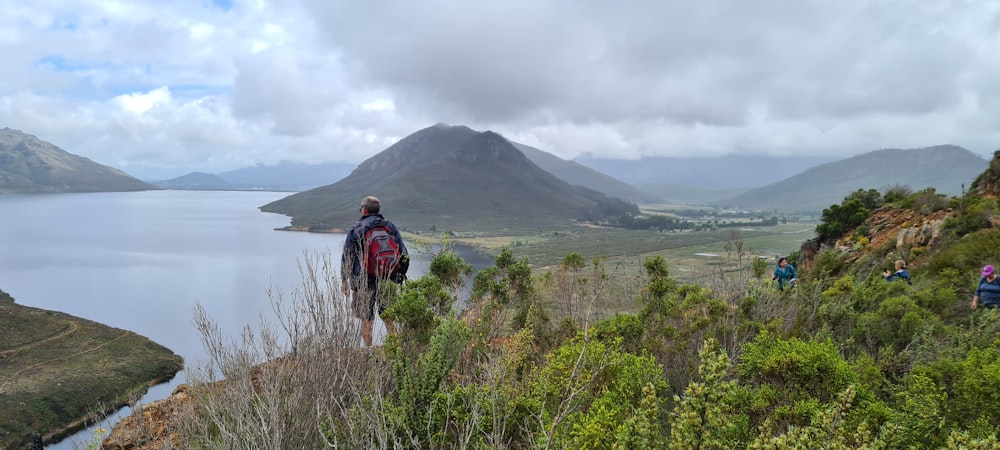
[(75, 426), (469, 253)]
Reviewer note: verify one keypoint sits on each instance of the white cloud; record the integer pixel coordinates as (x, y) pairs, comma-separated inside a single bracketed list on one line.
[(182, 86), (139, 103)]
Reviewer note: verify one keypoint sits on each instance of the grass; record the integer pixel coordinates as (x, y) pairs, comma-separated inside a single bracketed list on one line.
[(59, 370), (685, 251)]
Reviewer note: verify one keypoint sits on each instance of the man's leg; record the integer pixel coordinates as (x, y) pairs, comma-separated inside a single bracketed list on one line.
[(363, 303), (366, 332)]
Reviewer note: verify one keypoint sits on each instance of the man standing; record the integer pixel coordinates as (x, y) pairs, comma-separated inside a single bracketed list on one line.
[(988, 293), (373, 253)]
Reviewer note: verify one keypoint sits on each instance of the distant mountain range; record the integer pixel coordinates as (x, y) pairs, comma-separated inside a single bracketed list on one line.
[(31, 165), (283, 176), (446, 174), (721, 173), (294, 176), (946, 168), (448, 178)]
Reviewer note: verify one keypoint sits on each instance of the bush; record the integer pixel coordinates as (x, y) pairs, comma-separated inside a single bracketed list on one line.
[(973, 213), (587, 389), (968, 255), (925, 201), (792, 377), (896, 193), (837, 220)]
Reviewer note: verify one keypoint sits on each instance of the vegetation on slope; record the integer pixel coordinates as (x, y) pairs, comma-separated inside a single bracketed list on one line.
[(844, 358), (453, 178), (946, 168), (60, 372), (535, 360), (31, 165)]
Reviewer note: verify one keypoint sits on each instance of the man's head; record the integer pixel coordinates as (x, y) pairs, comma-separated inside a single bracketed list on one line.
[(370, 205), (988, 270)]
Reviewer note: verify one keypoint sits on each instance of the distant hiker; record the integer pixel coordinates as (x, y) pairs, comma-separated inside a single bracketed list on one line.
[(784, 273), (988, 292), (900, 274), (373, 253)]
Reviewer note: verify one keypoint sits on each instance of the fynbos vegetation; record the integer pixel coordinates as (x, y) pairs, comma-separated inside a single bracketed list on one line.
[(536, 360)]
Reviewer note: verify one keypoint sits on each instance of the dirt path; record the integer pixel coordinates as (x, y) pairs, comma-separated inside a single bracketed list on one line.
[(120, 335), (66, 332)]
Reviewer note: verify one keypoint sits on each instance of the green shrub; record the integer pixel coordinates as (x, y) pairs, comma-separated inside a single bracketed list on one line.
[(971, 384), (972, 213), (419, 378), (925, 201), (796, 376), (968, 255), (587, 389), (896, 193), (705, 416), (624, 328)]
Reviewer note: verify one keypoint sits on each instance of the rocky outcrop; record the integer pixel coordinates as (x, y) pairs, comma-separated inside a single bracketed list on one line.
[(988, 184), (903, 229), (906, 227), (154, 426)]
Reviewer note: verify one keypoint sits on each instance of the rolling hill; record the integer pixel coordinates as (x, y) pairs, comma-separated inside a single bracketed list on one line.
[(729, 172), (290, 176), (576, 173), (945, 167), (298, 176), (31, 165), (448, 178)]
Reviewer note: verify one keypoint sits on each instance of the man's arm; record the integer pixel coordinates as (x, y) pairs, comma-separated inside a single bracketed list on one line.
[(399, 238), (347, 257)]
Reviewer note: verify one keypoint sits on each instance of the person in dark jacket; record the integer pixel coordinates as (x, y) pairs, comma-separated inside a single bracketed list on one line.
[(365, 289), (900, 274), (988, 293), (784, 273)]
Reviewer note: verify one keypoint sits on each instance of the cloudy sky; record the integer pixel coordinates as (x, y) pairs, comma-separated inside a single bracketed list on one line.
[(159, 88)]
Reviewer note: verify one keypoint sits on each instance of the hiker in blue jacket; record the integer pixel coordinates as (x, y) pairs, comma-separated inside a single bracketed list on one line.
[(356, 280), (784, 273), (900, 274), (988, 293)]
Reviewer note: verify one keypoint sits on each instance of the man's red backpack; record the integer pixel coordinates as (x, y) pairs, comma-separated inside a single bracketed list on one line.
[(381, 255)]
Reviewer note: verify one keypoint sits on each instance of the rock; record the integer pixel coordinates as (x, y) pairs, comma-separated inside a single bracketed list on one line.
[(153, 426)]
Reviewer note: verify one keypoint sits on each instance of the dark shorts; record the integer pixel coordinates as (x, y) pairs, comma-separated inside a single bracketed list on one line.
[(364, 300)]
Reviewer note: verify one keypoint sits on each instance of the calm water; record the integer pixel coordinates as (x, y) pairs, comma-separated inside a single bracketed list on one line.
[(140, 261)]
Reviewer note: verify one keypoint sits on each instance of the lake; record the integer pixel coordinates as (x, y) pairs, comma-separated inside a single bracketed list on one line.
[(141, 260)]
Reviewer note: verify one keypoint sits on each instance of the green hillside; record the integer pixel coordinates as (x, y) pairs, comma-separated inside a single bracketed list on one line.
[(450, 178), (606, 353), (31, 165), (946, 168), (58, 371), (575, 173)]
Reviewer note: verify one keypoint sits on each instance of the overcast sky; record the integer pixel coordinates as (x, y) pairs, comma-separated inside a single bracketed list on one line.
[(162, 88)]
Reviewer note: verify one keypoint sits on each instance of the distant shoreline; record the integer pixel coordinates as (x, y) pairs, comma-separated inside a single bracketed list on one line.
[(467, 252), (57, 435)]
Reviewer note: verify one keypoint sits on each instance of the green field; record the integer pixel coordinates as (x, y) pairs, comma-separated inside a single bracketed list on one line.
[(688, 253)]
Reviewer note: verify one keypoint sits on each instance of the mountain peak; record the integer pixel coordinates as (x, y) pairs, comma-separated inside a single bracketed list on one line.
[(29, 164), (946, 168), (422, 178), (489, 145)]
